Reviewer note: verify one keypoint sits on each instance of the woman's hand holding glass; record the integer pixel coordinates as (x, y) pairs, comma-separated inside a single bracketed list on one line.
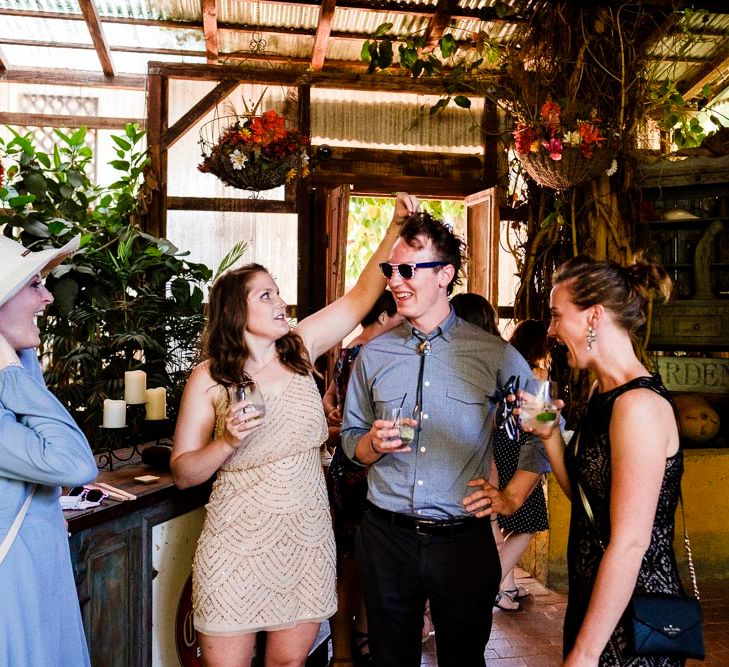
[(539, 407), (246, 412)]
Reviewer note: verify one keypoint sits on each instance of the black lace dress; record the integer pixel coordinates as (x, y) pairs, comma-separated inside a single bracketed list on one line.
[(590, 467)]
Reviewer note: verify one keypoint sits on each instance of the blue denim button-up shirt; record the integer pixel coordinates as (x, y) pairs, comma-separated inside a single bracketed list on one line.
[(453, 444)]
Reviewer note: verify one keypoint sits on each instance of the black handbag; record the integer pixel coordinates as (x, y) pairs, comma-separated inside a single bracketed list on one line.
[(662, 625), (666, 625)]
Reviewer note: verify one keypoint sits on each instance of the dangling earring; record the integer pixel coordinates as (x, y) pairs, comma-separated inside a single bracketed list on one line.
[(591, 337)]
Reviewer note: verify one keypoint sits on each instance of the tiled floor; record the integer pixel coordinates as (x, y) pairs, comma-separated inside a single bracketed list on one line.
[(532, 637)]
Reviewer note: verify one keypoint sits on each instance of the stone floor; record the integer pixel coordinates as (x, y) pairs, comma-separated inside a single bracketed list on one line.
[(532, 637)]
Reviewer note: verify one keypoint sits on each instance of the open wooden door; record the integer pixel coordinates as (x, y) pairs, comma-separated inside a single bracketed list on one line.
[(336, 216), (482, 220)]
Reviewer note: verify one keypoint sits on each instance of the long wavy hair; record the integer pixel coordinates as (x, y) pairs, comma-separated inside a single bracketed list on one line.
[(223, 340)]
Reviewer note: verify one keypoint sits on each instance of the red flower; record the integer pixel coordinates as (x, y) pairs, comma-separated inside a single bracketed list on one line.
[(550, 114), (524, 136)]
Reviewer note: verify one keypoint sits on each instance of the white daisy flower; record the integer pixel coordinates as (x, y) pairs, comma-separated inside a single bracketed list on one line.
[(238, 159), (572, 138)]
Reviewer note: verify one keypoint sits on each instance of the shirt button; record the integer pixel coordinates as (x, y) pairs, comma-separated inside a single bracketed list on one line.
[(422, 449), (426, 383), (425, 415), (420, 482)]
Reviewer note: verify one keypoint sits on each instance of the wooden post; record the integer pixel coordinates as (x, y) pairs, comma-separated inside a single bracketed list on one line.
[(157, 95)]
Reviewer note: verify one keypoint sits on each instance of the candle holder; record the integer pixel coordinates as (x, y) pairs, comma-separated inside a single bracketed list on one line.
[(128, 438), (114, 439)]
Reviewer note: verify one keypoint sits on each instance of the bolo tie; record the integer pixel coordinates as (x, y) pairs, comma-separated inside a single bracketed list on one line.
[(424, 347)]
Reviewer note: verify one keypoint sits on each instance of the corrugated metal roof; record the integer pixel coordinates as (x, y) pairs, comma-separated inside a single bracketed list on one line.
[(289, 28)]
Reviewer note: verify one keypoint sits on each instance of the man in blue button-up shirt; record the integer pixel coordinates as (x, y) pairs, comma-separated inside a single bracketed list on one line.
[(420, 538)]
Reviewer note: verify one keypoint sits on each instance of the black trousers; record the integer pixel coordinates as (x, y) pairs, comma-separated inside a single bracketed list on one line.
[(400, 569)]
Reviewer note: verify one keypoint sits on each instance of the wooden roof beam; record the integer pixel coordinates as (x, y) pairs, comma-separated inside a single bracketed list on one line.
[(442, 17), (710, 72), (91, 16), (292, 76), (210, 29), (64, 77), (323, 30), (221, 91), (189, 25), (57, 120), (395, 7)]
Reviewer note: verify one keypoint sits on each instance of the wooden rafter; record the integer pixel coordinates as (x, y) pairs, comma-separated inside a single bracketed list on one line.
[(717, 69), (395, 7), (190, 25), (210, 29), (56, 120), (91, 16), (63, 77), (323, 30), (234, 55), (443, 14), (295, 75), (221, 91)]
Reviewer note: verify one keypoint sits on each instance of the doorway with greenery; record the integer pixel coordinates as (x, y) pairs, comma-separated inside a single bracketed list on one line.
[(368, 220)]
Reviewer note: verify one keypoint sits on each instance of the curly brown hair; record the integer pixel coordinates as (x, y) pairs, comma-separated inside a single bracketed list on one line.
[(447, 246), (223, 339)]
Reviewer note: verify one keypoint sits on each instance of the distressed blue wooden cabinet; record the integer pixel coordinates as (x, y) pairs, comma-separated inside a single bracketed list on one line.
[(111, 549)]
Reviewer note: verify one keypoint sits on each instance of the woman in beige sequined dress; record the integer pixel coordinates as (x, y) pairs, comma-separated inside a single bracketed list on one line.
[(265, 559)]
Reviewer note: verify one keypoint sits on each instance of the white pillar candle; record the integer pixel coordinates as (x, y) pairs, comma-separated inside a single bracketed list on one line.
[(115, 414), (135, 386), (156, 403)]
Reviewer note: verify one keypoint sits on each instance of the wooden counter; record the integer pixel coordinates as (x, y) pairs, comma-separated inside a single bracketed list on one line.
[(111, 549)]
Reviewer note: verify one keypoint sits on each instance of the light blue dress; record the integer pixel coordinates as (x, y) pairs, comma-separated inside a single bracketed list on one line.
[(40, 620)]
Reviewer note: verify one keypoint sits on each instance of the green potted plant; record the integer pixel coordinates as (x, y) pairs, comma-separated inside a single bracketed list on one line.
[(126, 300)]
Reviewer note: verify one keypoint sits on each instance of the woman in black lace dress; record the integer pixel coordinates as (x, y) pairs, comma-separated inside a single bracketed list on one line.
[(624, 458)]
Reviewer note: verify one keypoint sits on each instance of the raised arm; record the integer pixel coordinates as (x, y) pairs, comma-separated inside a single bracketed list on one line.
[(324, 329), (642, 434)]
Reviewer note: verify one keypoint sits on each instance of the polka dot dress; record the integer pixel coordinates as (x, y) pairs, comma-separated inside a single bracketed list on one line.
[(532, 516)]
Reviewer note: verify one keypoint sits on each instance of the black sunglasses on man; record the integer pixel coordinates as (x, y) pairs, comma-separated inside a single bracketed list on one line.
[(407, 271)]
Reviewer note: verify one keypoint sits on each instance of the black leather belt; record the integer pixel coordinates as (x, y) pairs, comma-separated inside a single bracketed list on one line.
[(424, 526)]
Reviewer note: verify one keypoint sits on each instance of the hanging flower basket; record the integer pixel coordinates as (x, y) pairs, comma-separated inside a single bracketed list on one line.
[(253, 152), (572, 169), (559, 155)]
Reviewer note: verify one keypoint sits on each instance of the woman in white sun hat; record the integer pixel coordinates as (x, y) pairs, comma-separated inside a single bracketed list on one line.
[(41, 448)]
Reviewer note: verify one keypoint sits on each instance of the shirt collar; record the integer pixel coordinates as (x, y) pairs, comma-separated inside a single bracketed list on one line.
[(444, 329)]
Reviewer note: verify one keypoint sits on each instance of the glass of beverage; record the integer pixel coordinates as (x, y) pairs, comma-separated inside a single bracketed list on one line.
[(397, 417), (251, 393), (539, 404)]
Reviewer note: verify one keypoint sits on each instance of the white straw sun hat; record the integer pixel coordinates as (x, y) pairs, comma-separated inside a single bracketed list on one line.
[(18, 264)]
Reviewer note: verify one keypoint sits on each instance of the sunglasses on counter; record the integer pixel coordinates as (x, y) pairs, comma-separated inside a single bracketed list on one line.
[(90, 495), (407, 271)]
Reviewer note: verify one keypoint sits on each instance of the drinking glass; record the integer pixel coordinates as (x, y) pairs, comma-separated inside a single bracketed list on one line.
[(250, 392), (539, 404), (395, 416)]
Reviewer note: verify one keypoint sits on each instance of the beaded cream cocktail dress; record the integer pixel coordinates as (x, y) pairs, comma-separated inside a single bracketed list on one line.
[(265, 559)]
